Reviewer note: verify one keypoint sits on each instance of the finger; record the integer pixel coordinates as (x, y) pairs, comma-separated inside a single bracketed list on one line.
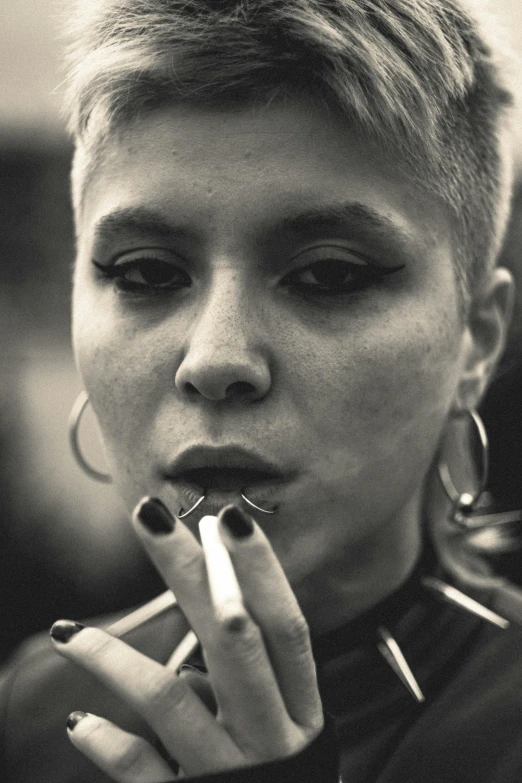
[(246, 689), (123, 756), (200, 684), (274, 607), (249, 699), (189, 732), (177, 555), (250, 703), (155, 629), (187, 647)]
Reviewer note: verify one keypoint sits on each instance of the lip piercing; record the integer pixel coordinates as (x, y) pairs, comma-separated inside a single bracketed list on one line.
[(257, 508), (182, 514)]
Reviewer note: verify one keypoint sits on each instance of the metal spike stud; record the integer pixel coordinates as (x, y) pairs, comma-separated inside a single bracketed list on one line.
[(463, 601), (392, 654)]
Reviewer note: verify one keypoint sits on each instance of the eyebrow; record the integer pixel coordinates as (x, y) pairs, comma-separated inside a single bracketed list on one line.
[(139, 220), (362, 221)]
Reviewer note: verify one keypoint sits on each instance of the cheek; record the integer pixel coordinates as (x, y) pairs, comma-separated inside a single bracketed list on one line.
[(378, 398), (118, 372)]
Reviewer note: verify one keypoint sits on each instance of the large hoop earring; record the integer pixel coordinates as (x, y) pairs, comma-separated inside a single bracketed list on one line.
[(464, 502), (75, 418)]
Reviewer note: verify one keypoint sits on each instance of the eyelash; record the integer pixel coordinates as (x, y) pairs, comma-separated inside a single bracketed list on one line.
[(362, 276), (117, 272)]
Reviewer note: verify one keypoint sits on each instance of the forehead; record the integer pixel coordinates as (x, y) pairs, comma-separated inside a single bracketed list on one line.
[(249, 168)]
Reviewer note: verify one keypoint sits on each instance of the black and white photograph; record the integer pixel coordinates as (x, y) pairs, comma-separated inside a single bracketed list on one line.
[(261, 391)]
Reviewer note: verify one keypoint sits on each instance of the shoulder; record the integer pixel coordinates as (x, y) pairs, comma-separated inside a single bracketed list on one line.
[(470, 730), (506, 599)]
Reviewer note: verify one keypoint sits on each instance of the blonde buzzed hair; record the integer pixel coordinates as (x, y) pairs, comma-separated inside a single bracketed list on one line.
[(417, 78)]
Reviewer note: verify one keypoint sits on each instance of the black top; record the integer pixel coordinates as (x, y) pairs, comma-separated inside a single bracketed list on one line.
[(468, 729)]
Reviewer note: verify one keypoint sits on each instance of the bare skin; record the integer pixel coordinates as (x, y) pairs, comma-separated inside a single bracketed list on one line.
[(235, 333)]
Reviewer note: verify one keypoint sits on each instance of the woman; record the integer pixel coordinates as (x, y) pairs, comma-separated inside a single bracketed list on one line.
[(285, 301)]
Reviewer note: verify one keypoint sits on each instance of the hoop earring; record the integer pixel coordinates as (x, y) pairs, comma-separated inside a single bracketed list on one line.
[(463, 502), (75, 418)]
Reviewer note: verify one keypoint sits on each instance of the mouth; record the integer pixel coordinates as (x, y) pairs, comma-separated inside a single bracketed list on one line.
[(226, 479), (223, 474)]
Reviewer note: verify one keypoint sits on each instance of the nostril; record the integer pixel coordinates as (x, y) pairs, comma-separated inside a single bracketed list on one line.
[(240, 389), (230, 381), (237, 390), (190, 389)]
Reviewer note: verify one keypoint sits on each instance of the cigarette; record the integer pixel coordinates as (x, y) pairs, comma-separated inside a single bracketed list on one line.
[(224, 588), (149, 611), (143, 614)]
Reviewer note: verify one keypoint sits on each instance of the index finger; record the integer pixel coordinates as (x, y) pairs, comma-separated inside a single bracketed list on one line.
[(286, 702), (274, 607), (187, 729), (178, 556)]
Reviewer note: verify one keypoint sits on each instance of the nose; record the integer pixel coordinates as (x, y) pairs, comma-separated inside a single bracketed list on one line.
[(224, 356)]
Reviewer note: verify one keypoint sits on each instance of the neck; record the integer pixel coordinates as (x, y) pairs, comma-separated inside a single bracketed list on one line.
[(363, 575)]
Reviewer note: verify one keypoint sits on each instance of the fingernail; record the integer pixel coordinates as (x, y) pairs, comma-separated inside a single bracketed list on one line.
[(155, 516), (62, 630), (74, 719), (237, 522)]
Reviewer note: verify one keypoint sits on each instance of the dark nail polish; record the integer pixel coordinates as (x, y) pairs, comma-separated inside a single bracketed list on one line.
[(62, 630), (155, 516), (237, 522), (74, 719)]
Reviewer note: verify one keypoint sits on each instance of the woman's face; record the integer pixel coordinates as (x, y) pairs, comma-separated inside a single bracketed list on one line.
[(261, 281)]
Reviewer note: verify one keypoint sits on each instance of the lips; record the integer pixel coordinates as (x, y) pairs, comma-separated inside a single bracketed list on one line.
[(226, 469), (223, 474), (225, 479)]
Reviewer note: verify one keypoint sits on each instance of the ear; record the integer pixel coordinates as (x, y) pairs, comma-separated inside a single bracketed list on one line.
[(487, 328)]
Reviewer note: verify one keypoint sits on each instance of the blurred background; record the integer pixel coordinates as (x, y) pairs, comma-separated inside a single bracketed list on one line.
[(66, 548)]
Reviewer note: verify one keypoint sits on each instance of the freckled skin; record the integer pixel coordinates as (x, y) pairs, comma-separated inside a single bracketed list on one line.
[(354, 396)]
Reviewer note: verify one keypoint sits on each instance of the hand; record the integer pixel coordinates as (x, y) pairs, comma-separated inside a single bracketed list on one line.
[(261, 671)]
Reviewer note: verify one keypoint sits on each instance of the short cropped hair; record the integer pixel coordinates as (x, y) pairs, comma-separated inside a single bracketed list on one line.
[(418, 78)]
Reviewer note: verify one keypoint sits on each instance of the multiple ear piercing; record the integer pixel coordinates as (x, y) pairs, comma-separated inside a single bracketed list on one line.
[(463, 504)]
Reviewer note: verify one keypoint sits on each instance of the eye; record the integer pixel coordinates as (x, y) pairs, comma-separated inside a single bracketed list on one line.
[(145, 275), (334, 274), (331, 273)]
